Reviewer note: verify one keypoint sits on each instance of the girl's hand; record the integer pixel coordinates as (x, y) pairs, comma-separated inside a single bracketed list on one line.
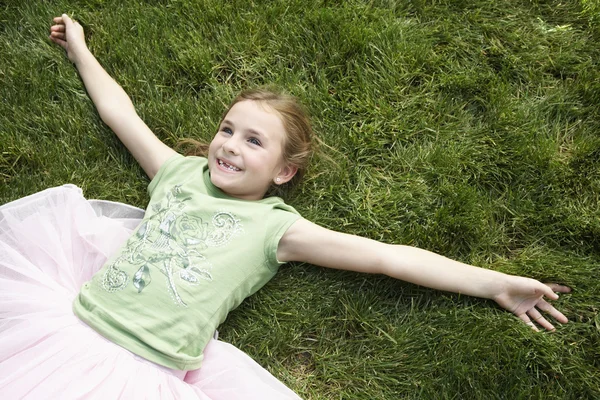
[(524, 297), (69, 35)]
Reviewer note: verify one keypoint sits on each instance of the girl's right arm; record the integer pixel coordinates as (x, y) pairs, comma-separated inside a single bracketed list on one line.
[(111, 101), (524, 297)]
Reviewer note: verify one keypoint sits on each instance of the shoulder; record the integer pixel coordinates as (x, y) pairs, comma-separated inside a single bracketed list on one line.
[(278, 204), (178, 169), (300, 239)]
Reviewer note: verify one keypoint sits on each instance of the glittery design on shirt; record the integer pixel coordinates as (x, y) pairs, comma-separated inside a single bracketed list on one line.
[(171, 242)]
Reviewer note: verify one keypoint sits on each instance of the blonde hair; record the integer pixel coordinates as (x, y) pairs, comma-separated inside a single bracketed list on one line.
[(298, 142)]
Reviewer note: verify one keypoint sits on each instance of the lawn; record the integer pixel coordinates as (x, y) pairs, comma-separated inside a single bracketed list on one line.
[(469, 128)]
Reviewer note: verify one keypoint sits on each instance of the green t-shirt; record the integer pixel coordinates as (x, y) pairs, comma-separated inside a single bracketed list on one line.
[(196, 255)]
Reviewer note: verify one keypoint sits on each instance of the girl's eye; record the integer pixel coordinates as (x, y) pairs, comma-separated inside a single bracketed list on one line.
[(254, 141), (227, 131)]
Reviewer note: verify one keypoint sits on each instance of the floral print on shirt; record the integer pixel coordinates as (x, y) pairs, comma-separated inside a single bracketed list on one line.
[(170, 245)]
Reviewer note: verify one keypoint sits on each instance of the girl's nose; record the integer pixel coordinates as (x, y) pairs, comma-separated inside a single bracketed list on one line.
[(231, 146)]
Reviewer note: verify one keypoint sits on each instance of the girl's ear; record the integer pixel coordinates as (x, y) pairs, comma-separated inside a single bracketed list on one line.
[(285, 174)]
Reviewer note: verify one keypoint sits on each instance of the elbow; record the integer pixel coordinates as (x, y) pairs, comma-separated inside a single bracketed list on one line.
[(391, 260), (114, 111), (384, 260)]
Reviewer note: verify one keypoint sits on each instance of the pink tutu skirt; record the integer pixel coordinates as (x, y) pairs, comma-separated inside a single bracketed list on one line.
[(50, 244)]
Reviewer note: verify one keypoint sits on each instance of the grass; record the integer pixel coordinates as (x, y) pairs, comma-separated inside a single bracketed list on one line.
[(469, 128)]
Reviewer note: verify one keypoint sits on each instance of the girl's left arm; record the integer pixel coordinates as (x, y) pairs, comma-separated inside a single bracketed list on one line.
[(524, 297)]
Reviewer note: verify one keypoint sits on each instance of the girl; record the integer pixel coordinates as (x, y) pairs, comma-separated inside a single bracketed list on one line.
[(209, 238)]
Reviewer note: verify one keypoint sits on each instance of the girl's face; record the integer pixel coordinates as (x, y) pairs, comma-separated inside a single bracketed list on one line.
[(246, 155)]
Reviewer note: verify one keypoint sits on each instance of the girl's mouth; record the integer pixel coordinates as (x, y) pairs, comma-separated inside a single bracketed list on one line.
[(226, 166)]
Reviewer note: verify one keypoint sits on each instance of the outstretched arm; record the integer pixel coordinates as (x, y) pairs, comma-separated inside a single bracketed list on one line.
[(524, 297), (113, 104)]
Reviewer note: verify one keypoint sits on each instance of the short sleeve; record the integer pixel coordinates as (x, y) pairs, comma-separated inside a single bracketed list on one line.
[(279, 222), (162, 172)]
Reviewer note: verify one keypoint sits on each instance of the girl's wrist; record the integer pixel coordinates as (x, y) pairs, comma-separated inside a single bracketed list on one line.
[(499, 285), (81, 55)]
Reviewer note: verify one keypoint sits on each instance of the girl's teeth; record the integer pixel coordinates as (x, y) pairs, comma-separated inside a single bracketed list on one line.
[(229, 167)]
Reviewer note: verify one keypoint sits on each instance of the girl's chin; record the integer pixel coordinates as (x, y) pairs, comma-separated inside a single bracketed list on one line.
[(217, 180), (225, 185)]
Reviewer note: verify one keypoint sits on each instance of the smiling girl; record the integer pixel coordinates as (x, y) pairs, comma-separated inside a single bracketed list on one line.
[(144, 313)]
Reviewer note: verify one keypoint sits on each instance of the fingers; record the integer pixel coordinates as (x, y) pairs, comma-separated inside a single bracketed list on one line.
[(66, 19), (58, 31), (58, 41), (548, 292), (525, 318), (62, 21), (538, 318), (543, 322), (533, 316), (548, 308), (559, 288), (57, 35)]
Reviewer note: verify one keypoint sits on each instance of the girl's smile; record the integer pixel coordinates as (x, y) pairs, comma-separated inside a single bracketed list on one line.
[(227, 166)]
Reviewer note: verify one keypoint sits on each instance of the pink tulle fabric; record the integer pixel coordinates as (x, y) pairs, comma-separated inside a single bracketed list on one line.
[(50, 244)]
